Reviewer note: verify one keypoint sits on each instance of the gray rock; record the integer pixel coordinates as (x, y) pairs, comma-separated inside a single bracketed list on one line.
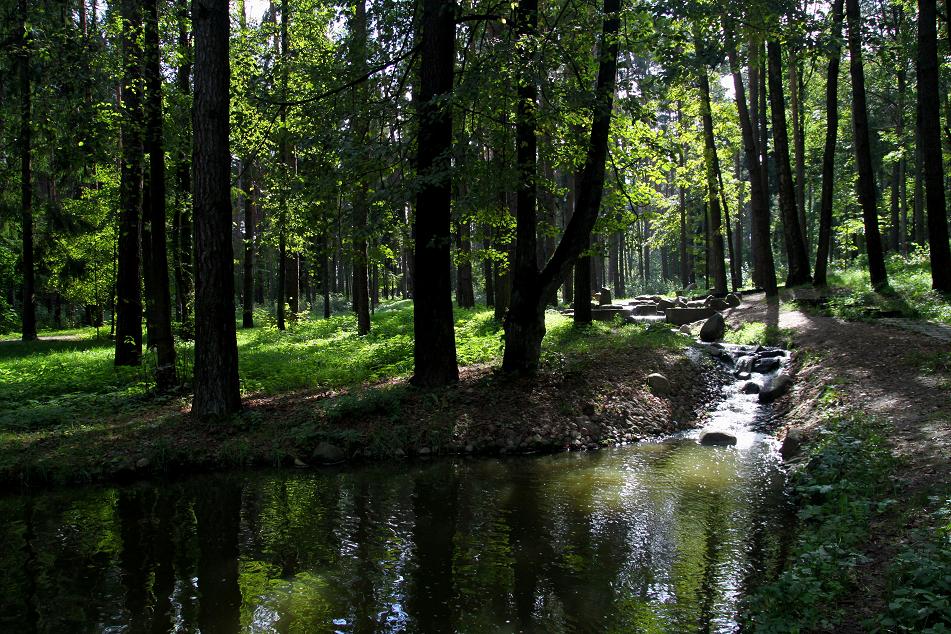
[(766, 364), (733, 300), (713, 328), (792, 443), (328, 453), (751, 387), (142, 463), (717, 303), (663, 304), (776, 388), (645, 309), (424, 451), (681, 316), (685, 329), (659, 384), (604, 296), (717, 438)]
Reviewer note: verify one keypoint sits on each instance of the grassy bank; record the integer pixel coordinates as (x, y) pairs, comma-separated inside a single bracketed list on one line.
[(69, 415), (850, 521), (909, 292)]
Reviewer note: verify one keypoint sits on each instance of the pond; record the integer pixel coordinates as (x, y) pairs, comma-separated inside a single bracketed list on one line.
[(655, 537)]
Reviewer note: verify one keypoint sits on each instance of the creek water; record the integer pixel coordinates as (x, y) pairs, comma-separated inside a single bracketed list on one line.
[(664, 536)]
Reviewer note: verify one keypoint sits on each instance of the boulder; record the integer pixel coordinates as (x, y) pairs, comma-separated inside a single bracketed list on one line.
[(644, 309), (750, 387), (664, 304), (766, 364), (659, 384), (733, 300), (717, 438), (713, 328), (328, 453), (745, 364), (604, 296), (792, 443), (776, 388), (681, 316), (717, 303), (685, 329)]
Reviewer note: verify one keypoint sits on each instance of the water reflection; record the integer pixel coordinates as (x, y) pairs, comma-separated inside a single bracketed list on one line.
[(660, 537)]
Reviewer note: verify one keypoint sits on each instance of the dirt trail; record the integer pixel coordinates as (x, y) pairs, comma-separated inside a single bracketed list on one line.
[(883, 370)]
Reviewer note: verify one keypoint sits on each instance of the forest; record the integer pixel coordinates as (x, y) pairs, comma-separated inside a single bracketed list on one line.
[(300, 233)]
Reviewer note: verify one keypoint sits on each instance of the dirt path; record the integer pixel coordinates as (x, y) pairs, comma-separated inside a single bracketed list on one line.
[(900, 373)]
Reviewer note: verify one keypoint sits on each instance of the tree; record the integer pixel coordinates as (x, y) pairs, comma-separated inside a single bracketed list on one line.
[(863, 151), (216, 349), (792, 231), (434, 347), (828, 157), (525, 320), (159, 311), (360, 204), (28, 323), (128, 289), (929, 124)]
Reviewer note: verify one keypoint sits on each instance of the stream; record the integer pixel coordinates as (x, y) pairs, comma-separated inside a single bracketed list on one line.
[(661, 536)]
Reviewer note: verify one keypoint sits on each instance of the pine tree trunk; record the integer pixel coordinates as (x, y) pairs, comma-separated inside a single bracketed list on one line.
[(799, 146), (216, 350), (792, 232), (28, 330), (465, 295), (128, 293), (929, 123), (159, 311), (182, 224), (828, 156), (863, 151), (434, 348), (361, 124)]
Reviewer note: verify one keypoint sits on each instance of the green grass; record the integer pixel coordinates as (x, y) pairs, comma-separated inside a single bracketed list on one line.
[(70, 385), (909, 293), (755, 333)]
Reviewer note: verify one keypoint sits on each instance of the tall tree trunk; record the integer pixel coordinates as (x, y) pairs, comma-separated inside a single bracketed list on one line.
[(465, 295), (525, 322), (712, 167), (434, 348), (182, 224), (361, 125), (792, 232), (284, 151), (863, 150), (582, 303), (129, 295), (828, 156), (929, 123), (799, 145), (216, 349), (159, 309), (28, 330), (247, 294), (764, 268)]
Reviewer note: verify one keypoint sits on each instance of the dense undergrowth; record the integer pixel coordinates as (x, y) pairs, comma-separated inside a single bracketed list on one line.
[(845, 492), (909, 293)]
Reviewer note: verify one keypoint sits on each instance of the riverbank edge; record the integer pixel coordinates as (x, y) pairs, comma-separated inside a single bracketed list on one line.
[(592, 400), (866, 553)]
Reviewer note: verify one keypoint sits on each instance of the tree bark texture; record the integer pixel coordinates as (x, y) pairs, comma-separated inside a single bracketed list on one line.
[(712, 168), (929, 123), (824, 241), (159, 303), (216, 350), (28, 319), (434, 347), (128, 290)]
